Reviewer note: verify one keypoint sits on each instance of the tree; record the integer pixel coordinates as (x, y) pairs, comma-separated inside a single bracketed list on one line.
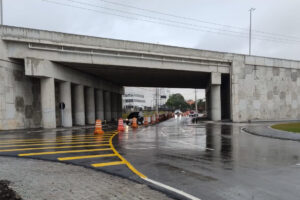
[(200, 105), (177, 101)]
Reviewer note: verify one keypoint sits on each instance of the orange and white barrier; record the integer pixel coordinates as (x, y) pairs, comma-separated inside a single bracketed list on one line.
[(134, 123), (98, 127), (146, 121), (153, 119), (120, 125)]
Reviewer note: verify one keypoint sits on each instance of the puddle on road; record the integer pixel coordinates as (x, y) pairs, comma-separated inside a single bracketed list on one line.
[(185, 172)]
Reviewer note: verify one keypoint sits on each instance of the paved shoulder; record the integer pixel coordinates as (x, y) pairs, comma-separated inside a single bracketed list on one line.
[(266, 131), (34, 179)]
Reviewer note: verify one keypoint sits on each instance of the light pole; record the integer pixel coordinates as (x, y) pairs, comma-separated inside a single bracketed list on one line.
[(1, 12), (250, 29), (196, 106), (156, 95)]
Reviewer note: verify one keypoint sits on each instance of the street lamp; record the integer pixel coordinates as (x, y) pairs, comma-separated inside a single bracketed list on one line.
[(250, 29), (1, 12)]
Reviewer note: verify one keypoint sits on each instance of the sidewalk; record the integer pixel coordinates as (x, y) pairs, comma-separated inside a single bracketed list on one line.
[(266, 131), (39, 180)]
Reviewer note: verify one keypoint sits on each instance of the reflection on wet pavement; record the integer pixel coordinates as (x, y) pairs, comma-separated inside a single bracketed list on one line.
[(214, 161)]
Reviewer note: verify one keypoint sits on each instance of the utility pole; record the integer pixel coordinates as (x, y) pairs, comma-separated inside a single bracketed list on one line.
[(196, 106), (156, 95), (1, 12), (250, 29)]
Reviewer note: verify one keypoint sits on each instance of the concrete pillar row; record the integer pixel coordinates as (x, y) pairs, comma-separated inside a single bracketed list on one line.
[(208, 102), (107, 106), (215, 94), (120, 105), (114, 106), (99, 104), (215, 102), (90, 105), (65, 97), (79, 108), (48, 102)]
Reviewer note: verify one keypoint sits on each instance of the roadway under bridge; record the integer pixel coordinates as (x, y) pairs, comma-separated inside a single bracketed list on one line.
[(40, 68)]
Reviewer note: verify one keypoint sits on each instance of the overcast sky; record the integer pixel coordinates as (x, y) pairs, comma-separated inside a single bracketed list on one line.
[(218, 25)]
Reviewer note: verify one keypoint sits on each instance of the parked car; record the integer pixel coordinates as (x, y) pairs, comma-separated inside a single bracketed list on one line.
[(193, 114), (177, 112), (138, 115)]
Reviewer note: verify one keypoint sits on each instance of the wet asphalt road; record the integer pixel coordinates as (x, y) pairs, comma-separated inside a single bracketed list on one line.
[(214, 161), (209, 161)]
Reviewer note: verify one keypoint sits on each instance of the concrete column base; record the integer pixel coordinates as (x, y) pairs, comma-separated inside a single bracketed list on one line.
[(99, 105), (90, 105), (79, 108), (215, 102), (107, 106), (120, 106), (114, 106), (48, 103), (65, 97)]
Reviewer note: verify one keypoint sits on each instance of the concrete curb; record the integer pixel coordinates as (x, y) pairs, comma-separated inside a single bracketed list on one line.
[(267, 131)]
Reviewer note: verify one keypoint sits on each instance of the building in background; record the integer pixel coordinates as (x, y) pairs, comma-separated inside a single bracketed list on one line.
[(142, 98)]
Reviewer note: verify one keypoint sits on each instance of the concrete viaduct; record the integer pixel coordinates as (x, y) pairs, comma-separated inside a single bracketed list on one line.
[(39, 69)]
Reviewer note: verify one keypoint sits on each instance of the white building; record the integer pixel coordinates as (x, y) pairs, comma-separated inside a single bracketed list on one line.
[(141, 98)]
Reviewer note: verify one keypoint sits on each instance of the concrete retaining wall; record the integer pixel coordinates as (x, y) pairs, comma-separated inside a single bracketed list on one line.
[(266, 89), (19, 98)]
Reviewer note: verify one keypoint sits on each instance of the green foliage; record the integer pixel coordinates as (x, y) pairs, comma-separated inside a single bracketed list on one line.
[(290, 127), (200, 105), (177, 101)]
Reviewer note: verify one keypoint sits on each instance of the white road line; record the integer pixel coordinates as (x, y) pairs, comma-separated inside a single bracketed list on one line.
[(172, 189), (298, 164)]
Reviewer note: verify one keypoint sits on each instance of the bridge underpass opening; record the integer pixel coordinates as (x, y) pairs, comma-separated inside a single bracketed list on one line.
[(217, 88)]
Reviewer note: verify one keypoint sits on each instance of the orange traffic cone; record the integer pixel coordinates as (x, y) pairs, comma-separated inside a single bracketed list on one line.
[(134, 123), (120, 125), (98, 127), (146, 121)]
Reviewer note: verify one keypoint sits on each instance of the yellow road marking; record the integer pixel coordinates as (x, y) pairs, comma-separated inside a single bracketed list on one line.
[(123, 160), (49, 144), (63, 147), (58, 140), (108, 164), (61, 152), (84, 157)]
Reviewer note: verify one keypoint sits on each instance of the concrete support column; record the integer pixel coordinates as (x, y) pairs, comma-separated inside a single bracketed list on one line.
[(90, 105), (99, 104), (107, 106), (208, 102), (215, 94), (65, 97), (79, 108), (114, 106), (120, 106), (48, 103), (216, 102)]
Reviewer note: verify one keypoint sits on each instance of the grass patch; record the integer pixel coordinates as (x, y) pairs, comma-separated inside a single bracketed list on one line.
[(291, 127)]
